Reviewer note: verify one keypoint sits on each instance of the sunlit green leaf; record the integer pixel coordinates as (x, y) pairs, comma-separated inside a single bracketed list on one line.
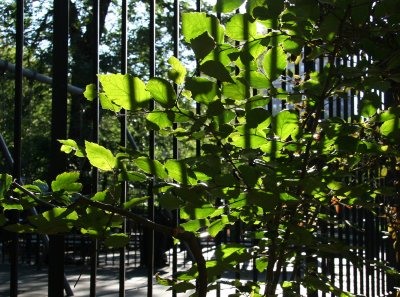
[(274, 62), (67, 181), (285, 123), (99, 156), (124, 90), (191, 213), (390, 127), (256, 79), (217, 225), (195, 225), (335, 185), (11, 206), (369, 104), (261, 264), (241, 27), (162, 91), (151, 166), (160, 119), (236, 91), (178, 72), (135, 201), (70, 145), (90, 92), (5, 183), (179, 171), (196, 23)]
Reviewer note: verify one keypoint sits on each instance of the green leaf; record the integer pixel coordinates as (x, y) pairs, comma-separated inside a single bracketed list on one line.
[(241, 27), (196, 23), (169, 201), (70, 145), (191, 213), (19, 228), (99, 156), (293, 46), (267, 201), (100, 196), (225, 6), (3, 219), (203, 90), (124, 90), (162, 91), (218, 225), (256, 116), (182, 287), (178, 72), (179, 171), (60, 213), (117, 240), (5, 183), (221, 53), (106, 103), (195, 225), (369, 104), (151, 166), (135, 201), (287, 197), (285, 123), (158, 120), (163, 281), (56, 220), (274, 62), (236, 91), (90, 92), (335, 185), (248, 139), (256, 79), (41, 185), (11, 206), (390, 127), (66, 182), (261, 264), (202, 45), (217, 70), (275, 7)]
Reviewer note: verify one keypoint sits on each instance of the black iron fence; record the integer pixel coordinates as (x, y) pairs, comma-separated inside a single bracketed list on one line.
[(368, 237)]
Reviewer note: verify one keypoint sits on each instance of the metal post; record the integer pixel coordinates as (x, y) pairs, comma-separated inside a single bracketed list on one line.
[(58, 131), (95, 135), (175, 140), (150, 243), (17, 140), (123, 115)]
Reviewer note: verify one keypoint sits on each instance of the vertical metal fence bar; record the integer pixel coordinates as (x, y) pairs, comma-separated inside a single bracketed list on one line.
[(58, 131), (150, 210), (198, 107), (175, 152), (123, 119), (95, 134), (17, 138)]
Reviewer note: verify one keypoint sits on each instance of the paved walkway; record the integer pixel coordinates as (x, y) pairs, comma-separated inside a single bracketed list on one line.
[(33, 282)]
